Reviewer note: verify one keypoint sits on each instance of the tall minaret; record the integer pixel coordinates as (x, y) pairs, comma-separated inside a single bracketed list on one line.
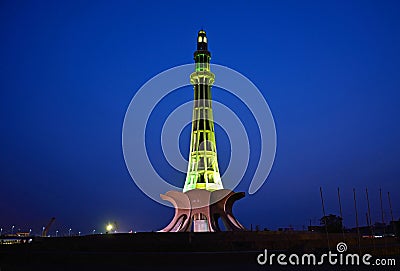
[(203, 172), (204, 201)]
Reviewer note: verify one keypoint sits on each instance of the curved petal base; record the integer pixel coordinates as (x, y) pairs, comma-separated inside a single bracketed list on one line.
[(199, 210)]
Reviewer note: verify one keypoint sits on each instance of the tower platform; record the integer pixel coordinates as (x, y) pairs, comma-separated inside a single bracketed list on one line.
[(200, 210)]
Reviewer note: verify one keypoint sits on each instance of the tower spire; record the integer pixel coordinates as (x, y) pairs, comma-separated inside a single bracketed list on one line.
[(202, 41), (203, 172)]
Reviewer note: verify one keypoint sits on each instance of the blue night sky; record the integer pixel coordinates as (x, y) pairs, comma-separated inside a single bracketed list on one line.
[(329, 71)]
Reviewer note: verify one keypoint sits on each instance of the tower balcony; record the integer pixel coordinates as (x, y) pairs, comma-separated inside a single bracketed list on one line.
[(202, 77)]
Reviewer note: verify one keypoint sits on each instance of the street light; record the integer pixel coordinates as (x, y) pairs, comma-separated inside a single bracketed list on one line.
[(43, 231), (109, 227), (56, 233), (79, 233), (93, 231), (69, 233), (30, 230), (1, 231), (12, 229)]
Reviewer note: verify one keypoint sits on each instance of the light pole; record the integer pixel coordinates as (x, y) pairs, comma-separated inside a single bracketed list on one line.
[(79, 233), (1, 231), (56, 233), (69, 232), (30, 230), (43, 231), (93, 231), (12, 229)]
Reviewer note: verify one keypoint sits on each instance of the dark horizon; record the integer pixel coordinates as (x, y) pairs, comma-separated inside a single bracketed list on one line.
[(329, 72)]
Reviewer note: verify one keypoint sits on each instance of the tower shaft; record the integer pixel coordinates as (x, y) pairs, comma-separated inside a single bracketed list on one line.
[(203, 172)]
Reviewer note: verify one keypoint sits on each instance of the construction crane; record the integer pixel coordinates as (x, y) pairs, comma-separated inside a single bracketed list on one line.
[(46, 229)]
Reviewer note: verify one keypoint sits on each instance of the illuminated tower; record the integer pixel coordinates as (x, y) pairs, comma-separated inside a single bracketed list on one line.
[(204, 203), (203, 172)]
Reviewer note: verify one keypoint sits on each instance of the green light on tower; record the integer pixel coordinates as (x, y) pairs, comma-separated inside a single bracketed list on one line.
[(203, 172)]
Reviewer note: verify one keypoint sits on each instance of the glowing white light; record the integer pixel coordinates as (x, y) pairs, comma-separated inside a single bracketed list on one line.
[(109, 227)]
